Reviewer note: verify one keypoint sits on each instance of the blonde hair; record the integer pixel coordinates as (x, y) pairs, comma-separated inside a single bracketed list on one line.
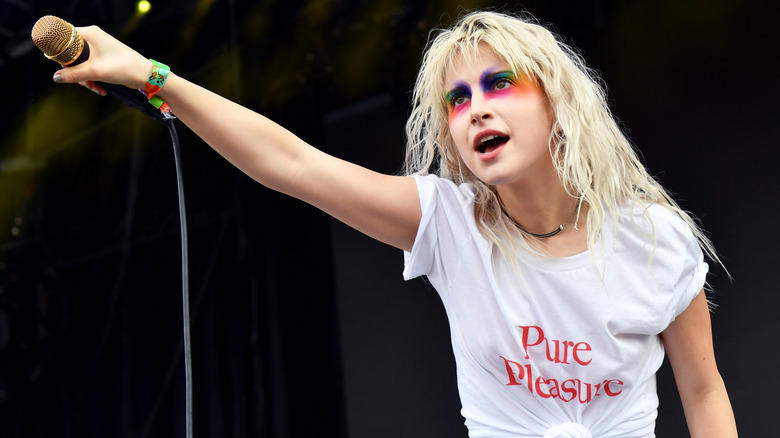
[(594, 159)]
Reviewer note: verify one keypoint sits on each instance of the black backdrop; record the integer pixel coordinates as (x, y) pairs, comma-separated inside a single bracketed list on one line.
[(301, 326)]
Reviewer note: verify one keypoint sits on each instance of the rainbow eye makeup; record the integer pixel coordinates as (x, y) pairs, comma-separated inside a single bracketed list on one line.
[(505, 83), (458, 95), (497, 82), (458, 99), (493, 83)]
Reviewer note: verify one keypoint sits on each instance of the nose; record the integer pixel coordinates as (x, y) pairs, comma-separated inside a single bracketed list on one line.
[(479, 109), (477, 117)]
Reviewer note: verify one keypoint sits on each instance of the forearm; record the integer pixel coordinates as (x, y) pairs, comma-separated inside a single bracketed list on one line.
[(259, 147), (262, 149), (709, 415)]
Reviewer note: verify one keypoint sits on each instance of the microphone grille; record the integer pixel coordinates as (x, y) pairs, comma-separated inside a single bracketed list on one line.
[(57, 39)]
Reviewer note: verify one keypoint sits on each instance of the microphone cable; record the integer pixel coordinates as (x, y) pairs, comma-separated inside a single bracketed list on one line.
[(185, 286), (60, 42)]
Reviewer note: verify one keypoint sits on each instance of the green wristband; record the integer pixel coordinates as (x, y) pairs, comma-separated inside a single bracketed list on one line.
[(156, 81)]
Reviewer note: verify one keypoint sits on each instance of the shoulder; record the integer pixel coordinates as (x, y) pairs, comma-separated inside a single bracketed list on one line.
[(446, 225), (656, 259), (432, 183), (648, 232), (660, 222), (439, 194)]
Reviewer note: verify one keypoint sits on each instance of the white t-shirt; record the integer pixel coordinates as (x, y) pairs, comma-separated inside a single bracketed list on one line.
[(556, 347)]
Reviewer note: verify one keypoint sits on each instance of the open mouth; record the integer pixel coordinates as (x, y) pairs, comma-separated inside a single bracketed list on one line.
[(491, 142)]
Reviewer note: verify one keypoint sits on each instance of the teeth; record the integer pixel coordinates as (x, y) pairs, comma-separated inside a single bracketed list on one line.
[(487, 139)]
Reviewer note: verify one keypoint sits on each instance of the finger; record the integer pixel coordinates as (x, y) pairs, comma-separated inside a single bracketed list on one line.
[(71, 75), (87, 31), (94, 87), (90, 33)]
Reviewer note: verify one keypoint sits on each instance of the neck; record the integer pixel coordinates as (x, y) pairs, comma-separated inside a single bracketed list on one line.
[(540, 209)]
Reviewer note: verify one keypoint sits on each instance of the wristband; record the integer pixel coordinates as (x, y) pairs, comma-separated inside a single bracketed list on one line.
[(155, 83)]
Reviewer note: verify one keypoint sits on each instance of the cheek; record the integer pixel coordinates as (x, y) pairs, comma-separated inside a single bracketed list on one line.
[(454, 112), (458, 134)]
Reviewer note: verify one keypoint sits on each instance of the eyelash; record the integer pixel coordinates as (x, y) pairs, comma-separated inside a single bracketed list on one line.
[(502, 77), (500, 80), (453, 99)]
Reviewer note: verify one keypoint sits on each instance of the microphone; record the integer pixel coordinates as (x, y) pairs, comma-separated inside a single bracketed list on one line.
[(60, 42)]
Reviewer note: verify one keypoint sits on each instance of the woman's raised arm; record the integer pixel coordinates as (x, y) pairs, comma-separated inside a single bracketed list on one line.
[(384, 207)]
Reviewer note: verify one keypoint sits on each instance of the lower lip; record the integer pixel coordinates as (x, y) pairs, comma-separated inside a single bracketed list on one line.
[(487, 156)]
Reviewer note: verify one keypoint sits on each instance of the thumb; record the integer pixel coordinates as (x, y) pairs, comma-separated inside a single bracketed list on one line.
[(69, 75), (76, 74)]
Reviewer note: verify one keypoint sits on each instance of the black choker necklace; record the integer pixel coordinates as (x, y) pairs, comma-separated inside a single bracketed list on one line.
[(540, 235)]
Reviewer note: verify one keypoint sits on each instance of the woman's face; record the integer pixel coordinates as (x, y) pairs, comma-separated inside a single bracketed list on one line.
[(499, 120)]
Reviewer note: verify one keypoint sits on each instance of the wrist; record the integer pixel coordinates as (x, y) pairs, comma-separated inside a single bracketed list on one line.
[(140, 74), (155, 82)]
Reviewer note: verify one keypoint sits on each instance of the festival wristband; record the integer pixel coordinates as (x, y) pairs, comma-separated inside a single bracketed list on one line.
[(155, 82)]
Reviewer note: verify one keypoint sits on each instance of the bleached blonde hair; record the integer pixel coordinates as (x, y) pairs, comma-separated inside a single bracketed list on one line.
[(594, 159)]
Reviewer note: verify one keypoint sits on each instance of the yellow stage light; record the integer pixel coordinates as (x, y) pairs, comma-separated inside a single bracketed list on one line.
[(143, 6)]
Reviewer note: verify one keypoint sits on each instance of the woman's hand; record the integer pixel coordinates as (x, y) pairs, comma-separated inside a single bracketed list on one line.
[(109, 61)]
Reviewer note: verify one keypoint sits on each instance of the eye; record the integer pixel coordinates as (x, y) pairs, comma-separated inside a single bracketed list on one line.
[(502, 83), (458, 100), (457, 97)]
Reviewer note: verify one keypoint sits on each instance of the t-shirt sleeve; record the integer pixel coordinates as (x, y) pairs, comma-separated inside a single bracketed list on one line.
[(690, 279), (446, 224), (686, 267), (418, 261)]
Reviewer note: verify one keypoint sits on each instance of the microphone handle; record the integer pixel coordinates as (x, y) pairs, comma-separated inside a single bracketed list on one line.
[(132, 98)]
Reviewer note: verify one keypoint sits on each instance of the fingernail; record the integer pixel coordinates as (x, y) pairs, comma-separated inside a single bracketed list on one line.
[(58, 78)]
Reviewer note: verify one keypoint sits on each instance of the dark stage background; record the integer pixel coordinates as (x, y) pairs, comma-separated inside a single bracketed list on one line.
[(301, 326)]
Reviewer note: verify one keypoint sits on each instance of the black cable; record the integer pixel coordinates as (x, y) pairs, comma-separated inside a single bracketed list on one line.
[(185, 288)]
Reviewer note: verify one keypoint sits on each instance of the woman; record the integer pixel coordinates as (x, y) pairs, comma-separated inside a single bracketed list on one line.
[(565, 269)]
